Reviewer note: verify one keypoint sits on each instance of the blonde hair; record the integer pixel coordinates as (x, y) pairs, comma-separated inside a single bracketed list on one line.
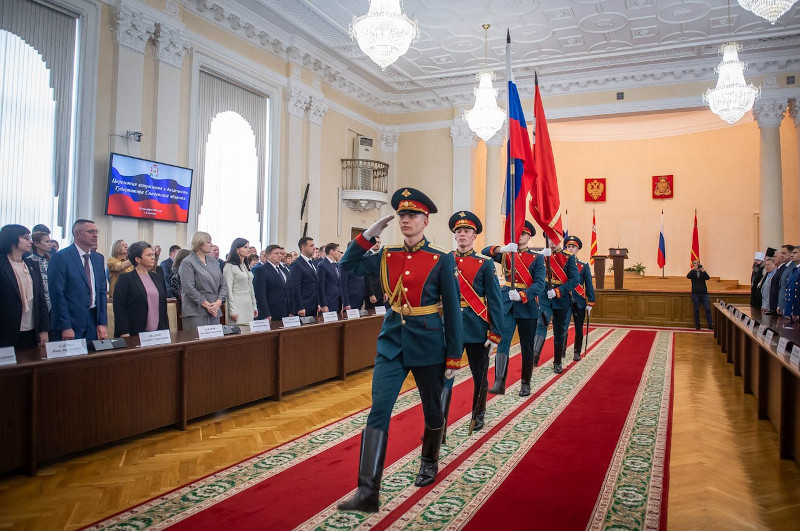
[(199, 239), (116, 248)]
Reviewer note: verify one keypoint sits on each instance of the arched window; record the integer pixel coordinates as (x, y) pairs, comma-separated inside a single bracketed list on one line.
[(27, 136), (231, 177)]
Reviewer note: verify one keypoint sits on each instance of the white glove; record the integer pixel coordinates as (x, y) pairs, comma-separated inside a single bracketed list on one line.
[(546, 252), (450, 373), (376, 228), (514, 295), (551, 294), (510, 248), (491, 344), (589, 309)]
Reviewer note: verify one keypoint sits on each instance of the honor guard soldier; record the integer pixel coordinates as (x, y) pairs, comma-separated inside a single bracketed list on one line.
[(582, 295), (481, 311), (418, 276), (562, 277), (520, 306)]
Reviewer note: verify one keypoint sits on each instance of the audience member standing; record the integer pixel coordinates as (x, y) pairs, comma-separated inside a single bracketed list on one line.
[(755, 280), (373, 289), (202, 286), (780, 259), (791, 297), (78, 287), (24, 320), (117, 264), (140, 299), (698, 276), (41, 254), (303, 280), (215, 254), (766, 284), (240, 306), (166, 269), (787, 271), (352, 291), (329, 279), (271, 286)]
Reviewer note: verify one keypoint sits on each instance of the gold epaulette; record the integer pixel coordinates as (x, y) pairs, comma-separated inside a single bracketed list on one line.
[(479, 255), (438, 248)]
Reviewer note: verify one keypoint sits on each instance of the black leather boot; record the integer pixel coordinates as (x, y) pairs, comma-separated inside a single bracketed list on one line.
[(431, 440), (370, 472), (525, 386), (447, 395), (479, 403), (576, 354), (500, 372), (538, 344), (557, 358)]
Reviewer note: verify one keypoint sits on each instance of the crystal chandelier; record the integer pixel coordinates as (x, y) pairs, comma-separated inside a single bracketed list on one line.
[(485, 118), (384, 33), (732, 97), (771, 10)]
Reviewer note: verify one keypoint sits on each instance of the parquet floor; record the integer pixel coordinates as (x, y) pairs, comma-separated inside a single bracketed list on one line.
[(725, 473)]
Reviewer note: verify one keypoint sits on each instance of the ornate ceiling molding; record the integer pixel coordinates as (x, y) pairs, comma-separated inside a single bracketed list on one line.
[(388, 139), (132, 28)]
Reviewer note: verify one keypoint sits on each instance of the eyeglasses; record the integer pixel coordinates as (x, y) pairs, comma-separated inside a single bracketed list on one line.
[(92, 231)]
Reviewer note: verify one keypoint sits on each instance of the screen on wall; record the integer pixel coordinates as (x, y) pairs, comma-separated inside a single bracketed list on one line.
[(146, 189)]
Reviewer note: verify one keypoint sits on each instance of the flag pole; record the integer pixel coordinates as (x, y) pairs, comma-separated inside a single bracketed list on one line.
[(511, 178), (662, 232)]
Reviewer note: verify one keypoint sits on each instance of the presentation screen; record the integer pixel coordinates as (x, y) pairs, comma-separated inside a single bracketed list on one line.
[(146, 189)]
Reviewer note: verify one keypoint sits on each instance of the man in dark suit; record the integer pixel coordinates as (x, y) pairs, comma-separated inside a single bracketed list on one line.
[(166, 270), (352, 291), (373, 290), (329, 279), (303, 290), (780, 259), (271, 285), (77, 285)]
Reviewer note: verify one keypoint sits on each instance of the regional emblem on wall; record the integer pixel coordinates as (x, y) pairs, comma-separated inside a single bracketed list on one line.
[(595, 190), (663, 187)]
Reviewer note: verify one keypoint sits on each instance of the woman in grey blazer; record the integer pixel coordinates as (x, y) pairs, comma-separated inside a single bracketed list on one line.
[(202, 287)]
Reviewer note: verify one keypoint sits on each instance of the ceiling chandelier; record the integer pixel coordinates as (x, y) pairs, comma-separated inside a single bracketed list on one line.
[(732, 97), (384, 33), (485, 118), (771, 10)]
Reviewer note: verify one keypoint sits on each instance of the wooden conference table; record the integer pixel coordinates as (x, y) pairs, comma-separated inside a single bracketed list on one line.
[(52, 408), (772, 377)]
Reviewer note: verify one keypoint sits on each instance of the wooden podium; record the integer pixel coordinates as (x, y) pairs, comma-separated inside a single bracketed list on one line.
[(599, 271), (618, 257)]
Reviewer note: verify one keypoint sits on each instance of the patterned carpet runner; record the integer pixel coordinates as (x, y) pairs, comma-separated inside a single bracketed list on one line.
[(588, 449)]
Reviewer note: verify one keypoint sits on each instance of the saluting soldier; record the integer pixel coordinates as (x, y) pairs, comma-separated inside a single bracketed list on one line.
[(481, 311), (520, 306), (582, 295), (562, 277), (418, 276)]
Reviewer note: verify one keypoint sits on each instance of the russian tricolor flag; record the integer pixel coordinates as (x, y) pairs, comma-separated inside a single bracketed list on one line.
[(662, 252)]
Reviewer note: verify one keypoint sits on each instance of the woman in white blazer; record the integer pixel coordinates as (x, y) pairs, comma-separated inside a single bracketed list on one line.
[(240, 308)]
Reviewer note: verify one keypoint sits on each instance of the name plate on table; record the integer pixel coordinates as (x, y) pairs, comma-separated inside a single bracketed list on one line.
[(751, 325), (380, 310), (760, 333), (291, 322), (330, 317), (8, 356), (157, 337), (795, 359), (66, 349), (353, 314), (260, 325), (209, 331), (782, 344), (768, 336)]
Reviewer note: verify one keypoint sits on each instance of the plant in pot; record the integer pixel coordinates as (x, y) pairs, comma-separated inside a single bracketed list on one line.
[(636, 269)]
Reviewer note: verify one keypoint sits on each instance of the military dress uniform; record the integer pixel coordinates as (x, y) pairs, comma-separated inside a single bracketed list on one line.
[(414, 337), (562, 277), (582, 296), (791, 298), (481, 312), (523, 314)]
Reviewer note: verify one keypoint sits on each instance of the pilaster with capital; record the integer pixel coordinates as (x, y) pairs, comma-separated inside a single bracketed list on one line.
[(388, 139), (317, 108), (132, 29), (462, 135), (769, 112), (171, 46), (297, 101)]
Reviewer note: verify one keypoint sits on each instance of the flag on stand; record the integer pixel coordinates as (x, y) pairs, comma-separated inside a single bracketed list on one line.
[(545, 205), (594, 239), (695, 240), (662, 252), (520, 160), (566, 224)]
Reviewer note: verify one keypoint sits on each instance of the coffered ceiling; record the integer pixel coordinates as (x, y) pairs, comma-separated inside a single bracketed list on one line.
[(580, 40)]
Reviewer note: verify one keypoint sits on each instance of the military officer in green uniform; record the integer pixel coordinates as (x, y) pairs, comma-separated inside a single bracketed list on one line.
[(520, 305), (562, 277), (582, 295), (481, 310), (418, 276)]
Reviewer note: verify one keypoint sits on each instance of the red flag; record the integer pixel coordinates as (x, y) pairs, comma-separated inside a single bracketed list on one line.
[(695, 241), (594, 239), (545, 205)]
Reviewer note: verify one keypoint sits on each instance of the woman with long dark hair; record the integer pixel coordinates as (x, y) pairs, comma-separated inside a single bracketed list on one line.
[(40, 253), (140, 300), (240, 308)]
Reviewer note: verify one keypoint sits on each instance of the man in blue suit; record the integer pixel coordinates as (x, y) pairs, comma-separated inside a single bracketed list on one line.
[(329, 279), (352, 291), (77, 286), (303, 291), (271, 285)]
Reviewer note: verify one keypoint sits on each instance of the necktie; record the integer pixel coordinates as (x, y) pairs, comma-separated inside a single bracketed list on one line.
[(87, 269), (280, 272), (336, 267)]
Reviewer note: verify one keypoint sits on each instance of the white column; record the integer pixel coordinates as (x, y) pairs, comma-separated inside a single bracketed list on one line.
[(132, 30), (297, 100), (318, 107), (495, 185), (464, 141), (768, 112), (171, 47), (388, 144)]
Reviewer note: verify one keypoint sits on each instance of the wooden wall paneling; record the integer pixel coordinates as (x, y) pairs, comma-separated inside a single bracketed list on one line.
[(16, 424), (343, 339), (767, 386), (309, 359), (361, 345), (183, 392), (772, 397), (740, 339), (657, 308), (33, 419), (202, 386), (279, 367), (751, 368), (789, 432)]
